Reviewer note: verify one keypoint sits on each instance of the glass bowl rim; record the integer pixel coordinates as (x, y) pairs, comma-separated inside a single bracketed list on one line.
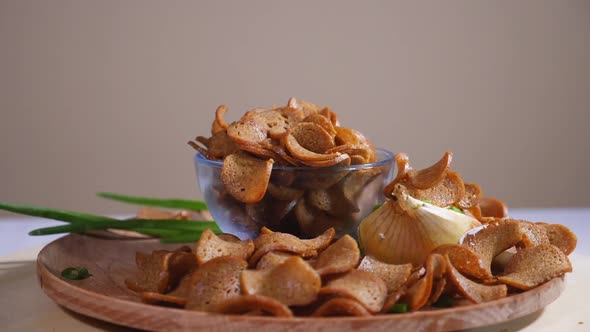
[(200, 159)]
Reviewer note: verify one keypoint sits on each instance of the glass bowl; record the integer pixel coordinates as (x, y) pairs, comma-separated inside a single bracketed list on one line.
[(303, 201)]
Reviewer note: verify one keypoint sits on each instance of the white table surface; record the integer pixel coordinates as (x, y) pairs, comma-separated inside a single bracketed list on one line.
[(24, 307)]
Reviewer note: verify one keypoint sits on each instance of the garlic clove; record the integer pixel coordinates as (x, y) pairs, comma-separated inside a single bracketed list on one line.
[(406, 230)]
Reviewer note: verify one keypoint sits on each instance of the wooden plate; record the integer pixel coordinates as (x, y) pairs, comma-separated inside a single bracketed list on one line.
[(104, 296)]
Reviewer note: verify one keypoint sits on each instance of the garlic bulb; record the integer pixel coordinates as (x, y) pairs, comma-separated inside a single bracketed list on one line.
[(405, 230)]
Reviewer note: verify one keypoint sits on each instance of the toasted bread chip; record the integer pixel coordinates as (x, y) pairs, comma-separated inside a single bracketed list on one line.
[(313, 222), (284, 193), (266, 230), (357, 160), (331, 201), (228, 237), (341, 307), (322, 121), (362, 286), (294, 282), (203, 140), (561, 237), (253, 111), (161, 270), (321, 241), (475, 212), (257, 150), (392, 298), (285, 242), (184, 249), (312, 137), (272, 120), (418, 294), (154, 275), (471, 197), (277, 121), (341, 160), (334, 118), (199, 149), (157, 298), (184, 287), (307, 108), (490, 240), (474, 292), (272, 259), (279, 151), (216, 128), (448, 192), (465, 260), (317, 244), (220, 116), (325, 112), (354, 183), (403, 167), (416, 274), (350, 149), (438, 288), (180, 264), (342, 256), (533, 266), (352, 137), (491, 207), (532, 234), (214, 282), (292, 114), (499, 263), (431, 176), (348, 136), (394, 276), (436, 183), (320, 178), (219, 124), (269, 211), (367, 151), (220, 145), (246, 178), (303, 154), (246, 132), (210, 246), (254, 303), (305, 217)]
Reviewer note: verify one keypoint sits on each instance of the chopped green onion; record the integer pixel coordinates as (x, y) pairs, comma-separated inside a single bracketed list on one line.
[(169, 203), (75, 273), (444, 302), (159, 231), (131, 224), (376, 207), (456, 209), (61, 215), (426, 200), (172, 230), (399, 308)]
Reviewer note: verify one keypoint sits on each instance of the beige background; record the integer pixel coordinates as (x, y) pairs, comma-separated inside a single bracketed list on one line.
[(102, 95)]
